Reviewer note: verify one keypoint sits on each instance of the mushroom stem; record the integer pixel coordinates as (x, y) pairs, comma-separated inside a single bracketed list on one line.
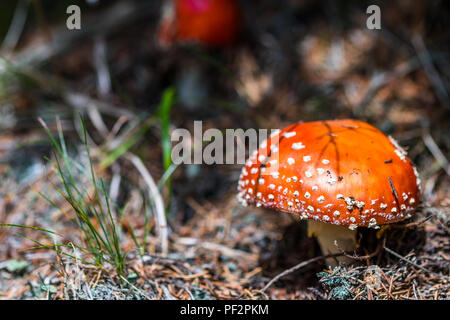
[(327, 234)]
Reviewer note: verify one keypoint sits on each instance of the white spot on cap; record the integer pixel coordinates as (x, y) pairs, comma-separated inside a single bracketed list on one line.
[(417, 178), (261, 180), (270, 196), (360, 204), (326, 218), (241, 199), (275, 174), (308, 174), (315, 188), (336, 214), (320, 171), (311, 208), (307, 158), (307, 195), (290, 161), (398, 149), (350, 201), (297, 146), (339, 196), (400, 154), (332, 180), (325, 161), (383, 206), (412, 201), (261, 158), (289, 134), (272, 186), (296, 193), (321, 199)]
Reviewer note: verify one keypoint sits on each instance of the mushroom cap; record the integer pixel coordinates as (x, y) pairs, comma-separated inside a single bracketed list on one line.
[(211, 22), (344, 172)]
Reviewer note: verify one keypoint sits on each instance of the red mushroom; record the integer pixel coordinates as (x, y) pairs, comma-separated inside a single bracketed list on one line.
[(213, 23), (339, 174)]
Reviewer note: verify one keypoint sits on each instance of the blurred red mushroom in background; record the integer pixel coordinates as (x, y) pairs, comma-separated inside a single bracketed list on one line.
[(213, 23), (339, 174)]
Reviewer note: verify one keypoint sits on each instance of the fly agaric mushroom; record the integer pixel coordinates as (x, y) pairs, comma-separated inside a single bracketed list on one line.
[(213, 23), (338, 174)]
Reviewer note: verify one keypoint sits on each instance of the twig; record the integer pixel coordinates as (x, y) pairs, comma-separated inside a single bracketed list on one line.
[(115, 182), (109, 21), (411, 224), (354, 256), (87, 291), (82, 102), (97, 120), (77, 100), (436, 152), (103, 83), (101, 66), (395, 254), (297, 267), (16, 26), (135, 288), (430, 70), (379, 80), (394, 191), (115, 129), (158, 202), (155, 258), (167, 293), (226, 251)]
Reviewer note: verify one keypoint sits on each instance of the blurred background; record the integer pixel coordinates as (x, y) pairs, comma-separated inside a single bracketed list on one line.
[(137, 70)]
